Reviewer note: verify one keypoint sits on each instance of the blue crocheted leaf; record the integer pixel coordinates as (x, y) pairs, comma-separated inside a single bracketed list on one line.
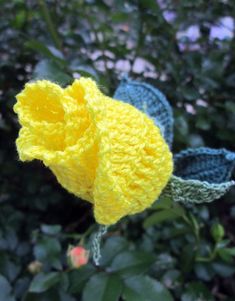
[(150, 100), (201, 175), (205, 164)]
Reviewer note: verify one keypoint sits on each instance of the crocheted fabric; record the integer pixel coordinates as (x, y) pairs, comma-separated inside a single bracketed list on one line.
[(205, 164), (201, 175), (102, 150), (150, 100)]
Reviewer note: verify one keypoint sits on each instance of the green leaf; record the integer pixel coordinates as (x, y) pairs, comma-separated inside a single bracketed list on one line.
[(20, 19), (163, 215), (204, 271), (172, 278), (189, 93), (49, 52), (120, 17), (222, 269), (163, 202), (225, 255), (83, 69), (202, 123), (230, 251), (5, 290), (165, 261), (49, 295), (217, 232), (78, 278), (21, 285), (150, 4), (223, 243), (103, 287), (195, 191), (187, 258), (132, 263), (66, 297), (48, 251), (144, 288), (196, 291), (194, 223), (230, 105), (43, 282), (8, 268), (49, 70), (112, 247)]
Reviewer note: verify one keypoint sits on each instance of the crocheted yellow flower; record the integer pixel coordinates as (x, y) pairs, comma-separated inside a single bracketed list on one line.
[(100, 149)]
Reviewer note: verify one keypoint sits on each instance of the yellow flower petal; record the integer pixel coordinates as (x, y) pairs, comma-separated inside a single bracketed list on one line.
[(40, 102)]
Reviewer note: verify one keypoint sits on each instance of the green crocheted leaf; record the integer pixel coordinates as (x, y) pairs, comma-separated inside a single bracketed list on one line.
[(149, 100), (195, 191)]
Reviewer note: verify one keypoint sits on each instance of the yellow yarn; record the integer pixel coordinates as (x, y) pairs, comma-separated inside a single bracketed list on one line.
[(100, 149)]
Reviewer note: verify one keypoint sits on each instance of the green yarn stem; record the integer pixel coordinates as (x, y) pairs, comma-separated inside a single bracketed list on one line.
[(96, 243)]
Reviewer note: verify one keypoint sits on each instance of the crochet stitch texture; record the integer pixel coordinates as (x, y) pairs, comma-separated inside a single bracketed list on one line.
[(102, 150), (205, 164), (149, 100), (201, 175)]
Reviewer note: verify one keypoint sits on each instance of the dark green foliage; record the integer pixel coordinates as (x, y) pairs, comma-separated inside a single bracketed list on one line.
[(169, 252)]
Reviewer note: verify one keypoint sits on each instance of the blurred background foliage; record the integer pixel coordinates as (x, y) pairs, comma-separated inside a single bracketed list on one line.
[(186, 48)]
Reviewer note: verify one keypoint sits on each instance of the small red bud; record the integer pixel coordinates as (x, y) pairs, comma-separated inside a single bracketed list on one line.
[(78, 256)]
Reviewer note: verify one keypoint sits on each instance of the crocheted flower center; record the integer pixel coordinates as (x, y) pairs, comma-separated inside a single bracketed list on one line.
[(43, 106)]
